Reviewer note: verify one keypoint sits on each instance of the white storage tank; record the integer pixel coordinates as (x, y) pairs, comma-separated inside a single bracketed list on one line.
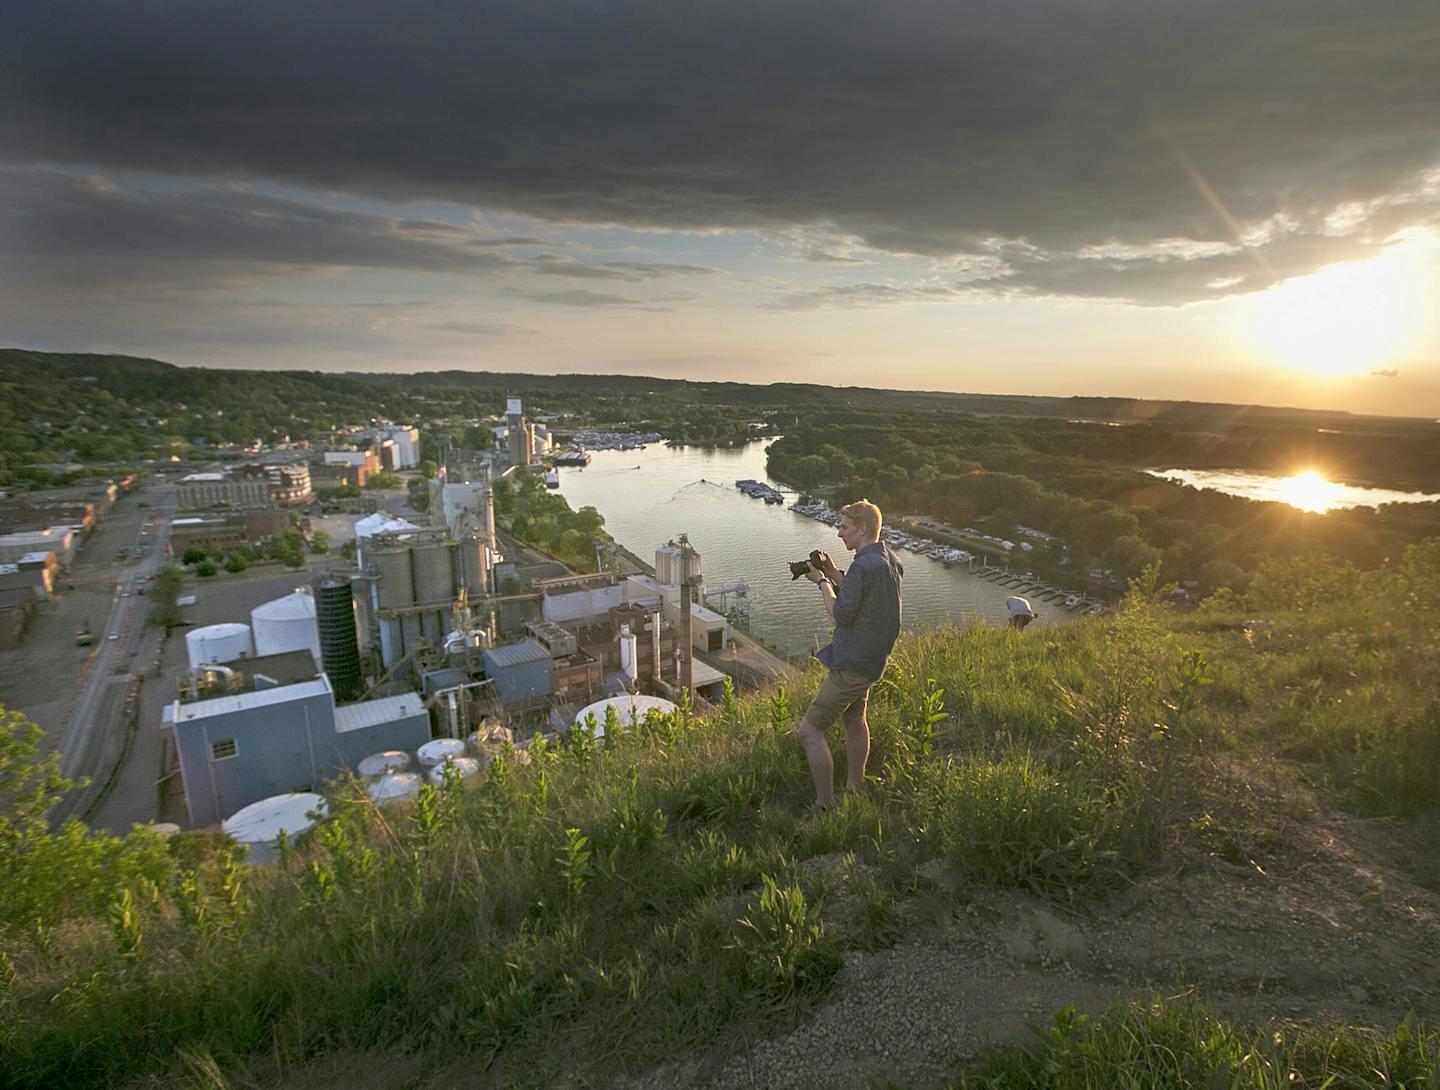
[(287, 624), (258, 826), (441, 749), (379, 764), (465, 767), (631, 709), (218, 643), (395, 786)]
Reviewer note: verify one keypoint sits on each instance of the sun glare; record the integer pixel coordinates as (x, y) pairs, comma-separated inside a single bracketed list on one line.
[(1345, 319), (1308, 491)]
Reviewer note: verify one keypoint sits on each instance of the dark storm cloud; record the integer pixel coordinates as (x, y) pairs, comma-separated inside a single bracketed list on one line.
[(929, 128), (52, 216)]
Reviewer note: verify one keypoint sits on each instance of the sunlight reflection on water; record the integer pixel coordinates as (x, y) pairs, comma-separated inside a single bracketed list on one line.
[(1307, 491)]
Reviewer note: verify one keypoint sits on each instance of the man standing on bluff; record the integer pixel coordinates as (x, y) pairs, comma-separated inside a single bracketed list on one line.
[(864, 603)]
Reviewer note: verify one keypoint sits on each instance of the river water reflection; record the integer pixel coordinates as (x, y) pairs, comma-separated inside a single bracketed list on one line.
[(649, 496), (1307, 491)]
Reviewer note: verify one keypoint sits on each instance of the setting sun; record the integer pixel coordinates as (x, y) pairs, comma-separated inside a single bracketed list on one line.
[(1345, 319), (1309, 491)]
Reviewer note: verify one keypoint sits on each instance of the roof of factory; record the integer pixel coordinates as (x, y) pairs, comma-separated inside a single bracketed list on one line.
[(516, 654), (261, 698), (373, 713)]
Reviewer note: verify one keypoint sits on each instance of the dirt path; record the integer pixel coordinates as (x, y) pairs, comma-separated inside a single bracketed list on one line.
[(1341, 933)]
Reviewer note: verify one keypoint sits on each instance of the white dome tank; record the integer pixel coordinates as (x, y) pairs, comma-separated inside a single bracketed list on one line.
[(218, 643), (442, 749), (465, 768), (395, 786), (258, 826), (286, 624), (378, 764), (630, 709)]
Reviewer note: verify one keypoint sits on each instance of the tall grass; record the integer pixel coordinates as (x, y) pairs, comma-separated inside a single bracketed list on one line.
[(1180, 1044), (647, 891)]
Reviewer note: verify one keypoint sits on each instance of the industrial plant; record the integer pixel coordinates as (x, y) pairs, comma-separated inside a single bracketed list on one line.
[(432, 636)]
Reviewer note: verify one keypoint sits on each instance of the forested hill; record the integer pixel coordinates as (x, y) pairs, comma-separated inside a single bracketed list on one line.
[(107, 407)]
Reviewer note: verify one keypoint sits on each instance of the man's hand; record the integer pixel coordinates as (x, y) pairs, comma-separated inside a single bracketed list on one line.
[(815, 575)]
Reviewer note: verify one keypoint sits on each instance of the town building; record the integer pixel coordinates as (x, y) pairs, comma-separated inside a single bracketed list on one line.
[(233, 748), (226, 530), (198, 491)]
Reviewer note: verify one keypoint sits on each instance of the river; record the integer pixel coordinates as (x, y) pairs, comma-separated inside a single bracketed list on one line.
[(650, 496)]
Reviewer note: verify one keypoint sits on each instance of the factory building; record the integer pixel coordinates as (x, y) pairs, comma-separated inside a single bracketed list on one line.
[(25, 546), (519, 434), (197, 491), (416, 584), (460, 506), (289, 485), (402, 444), (234, 748), (225, 531), (28, 513), (339, 473), (367, 460), (38, 571)]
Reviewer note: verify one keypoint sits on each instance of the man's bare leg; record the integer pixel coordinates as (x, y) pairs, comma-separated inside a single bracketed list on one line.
[(822, 767), (857, 749)]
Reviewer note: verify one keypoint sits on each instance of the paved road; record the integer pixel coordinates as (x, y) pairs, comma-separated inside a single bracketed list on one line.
[(93, 739)]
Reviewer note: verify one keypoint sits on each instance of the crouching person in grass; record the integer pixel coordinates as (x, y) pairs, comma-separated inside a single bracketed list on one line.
[(864, 603)]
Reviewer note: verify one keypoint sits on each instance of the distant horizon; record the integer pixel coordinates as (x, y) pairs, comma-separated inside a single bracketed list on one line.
[(924, 391)]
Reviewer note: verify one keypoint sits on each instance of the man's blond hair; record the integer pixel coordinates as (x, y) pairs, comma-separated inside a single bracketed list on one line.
[(865, 515)]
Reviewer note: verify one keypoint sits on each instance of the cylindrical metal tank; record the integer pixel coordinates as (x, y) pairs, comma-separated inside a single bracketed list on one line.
[(218, 643), (471, 564), (286, 624), (434, 572), (629, 653), (380, 764), (339, 647), (464, 767), (259, 825), (630, 710), (441, 749), (395, 786), (393, 566)]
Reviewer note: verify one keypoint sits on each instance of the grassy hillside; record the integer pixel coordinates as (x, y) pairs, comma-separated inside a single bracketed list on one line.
[(616, 904)]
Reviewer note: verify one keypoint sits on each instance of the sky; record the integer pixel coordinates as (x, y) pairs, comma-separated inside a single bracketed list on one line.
[(1214, 201)]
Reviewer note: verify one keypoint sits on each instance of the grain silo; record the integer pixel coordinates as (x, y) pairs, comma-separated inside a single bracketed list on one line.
[(339, 646), (392, 564), (286, 624), (218, 643), (435, 582)]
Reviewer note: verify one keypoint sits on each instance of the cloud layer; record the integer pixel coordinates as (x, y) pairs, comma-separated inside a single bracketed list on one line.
[(1151, 150)]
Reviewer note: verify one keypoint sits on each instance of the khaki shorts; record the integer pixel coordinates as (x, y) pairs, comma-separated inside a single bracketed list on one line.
[(844, 691)]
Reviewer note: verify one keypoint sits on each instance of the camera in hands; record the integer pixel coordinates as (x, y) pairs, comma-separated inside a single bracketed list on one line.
[(817, 560)]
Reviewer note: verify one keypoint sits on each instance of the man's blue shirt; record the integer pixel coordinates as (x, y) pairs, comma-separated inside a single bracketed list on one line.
[(867, 613)]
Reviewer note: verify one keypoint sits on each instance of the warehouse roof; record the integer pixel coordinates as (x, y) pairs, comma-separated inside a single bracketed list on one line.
[(374, 713), (261, 698), (516, 654)]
